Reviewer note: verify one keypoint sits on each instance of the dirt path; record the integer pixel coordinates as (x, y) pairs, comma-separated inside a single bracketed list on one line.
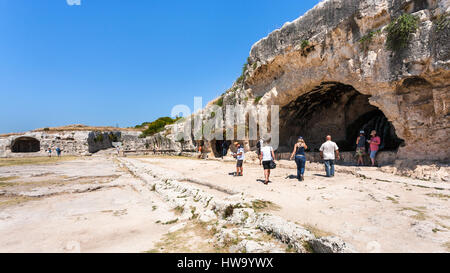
[(95, 205), (372, 214), (87, 205)]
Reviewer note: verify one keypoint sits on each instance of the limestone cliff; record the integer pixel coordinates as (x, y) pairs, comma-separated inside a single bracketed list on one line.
[(410, 87), (331, 72)]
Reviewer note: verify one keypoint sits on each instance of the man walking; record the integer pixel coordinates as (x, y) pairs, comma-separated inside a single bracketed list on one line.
[(329, 151)]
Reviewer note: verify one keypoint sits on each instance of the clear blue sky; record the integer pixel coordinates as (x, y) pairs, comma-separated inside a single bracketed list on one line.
[(124, 62)]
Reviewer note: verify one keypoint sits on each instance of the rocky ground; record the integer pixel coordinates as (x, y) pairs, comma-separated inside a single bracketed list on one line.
[(175, 204)]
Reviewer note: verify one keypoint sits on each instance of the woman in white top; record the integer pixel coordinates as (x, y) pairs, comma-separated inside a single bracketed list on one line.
[(266, 156)]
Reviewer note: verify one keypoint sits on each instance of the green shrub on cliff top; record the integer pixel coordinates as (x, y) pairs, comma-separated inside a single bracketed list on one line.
[(219, 102), (400, 30), (157, 125)]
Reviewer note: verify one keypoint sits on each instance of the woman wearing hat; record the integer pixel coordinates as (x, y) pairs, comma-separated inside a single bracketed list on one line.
[(361, 148), (300, 157)]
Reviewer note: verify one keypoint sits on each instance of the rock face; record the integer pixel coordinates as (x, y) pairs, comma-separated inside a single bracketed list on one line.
[(410, 87), (70, 142), (331, 73), (86, 140)]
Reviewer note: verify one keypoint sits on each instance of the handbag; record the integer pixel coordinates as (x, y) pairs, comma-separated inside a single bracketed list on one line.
[(272, 165)]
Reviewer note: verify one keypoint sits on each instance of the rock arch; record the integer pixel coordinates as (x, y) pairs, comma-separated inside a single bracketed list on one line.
[(25, 145), (337, 109)]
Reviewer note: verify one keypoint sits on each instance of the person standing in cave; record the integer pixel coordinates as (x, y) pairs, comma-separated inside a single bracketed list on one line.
[(300, 157), (329, 151), (200, 149), (224, 148), (361, 148), (374, 142)]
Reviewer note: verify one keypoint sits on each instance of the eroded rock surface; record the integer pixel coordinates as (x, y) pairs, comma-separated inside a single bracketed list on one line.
[(410, 87), (326, 79)]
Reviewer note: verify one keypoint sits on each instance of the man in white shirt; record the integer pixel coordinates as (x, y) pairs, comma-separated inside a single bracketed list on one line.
[(240, 156), (329, 151)]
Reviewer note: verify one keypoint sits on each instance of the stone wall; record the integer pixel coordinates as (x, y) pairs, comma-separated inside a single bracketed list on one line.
[(71, 142)]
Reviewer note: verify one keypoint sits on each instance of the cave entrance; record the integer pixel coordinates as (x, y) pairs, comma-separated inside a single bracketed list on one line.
[(25, 145), (334, 109), (217, 147)]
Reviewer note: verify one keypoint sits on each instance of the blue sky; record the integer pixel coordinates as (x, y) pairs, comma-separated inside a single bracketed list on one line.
[(110, 62)]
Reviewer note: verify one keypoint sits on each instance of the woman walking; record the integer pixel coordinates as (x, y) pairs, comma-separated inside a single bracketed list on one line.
[(267, 156), (300, 157)]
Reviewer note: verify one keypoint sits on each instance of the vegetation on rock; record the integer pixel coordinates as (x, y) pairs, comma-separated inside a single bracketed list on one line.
[(400, 30), (156, 126), (305, 43), (219, 102), (306, 48), (257, 99), (367, 39)]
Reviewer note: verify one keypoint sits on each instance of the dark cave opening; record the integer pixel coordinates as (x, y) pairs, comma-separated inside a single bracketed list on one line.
[(333, 109), (25, 145), (217, 148)]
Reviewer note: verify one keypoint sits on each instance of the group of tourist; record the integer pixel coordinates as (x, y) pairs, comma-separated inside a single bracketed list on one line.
[(57, 150), (329, 152), (374, 142), (266, 158)]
